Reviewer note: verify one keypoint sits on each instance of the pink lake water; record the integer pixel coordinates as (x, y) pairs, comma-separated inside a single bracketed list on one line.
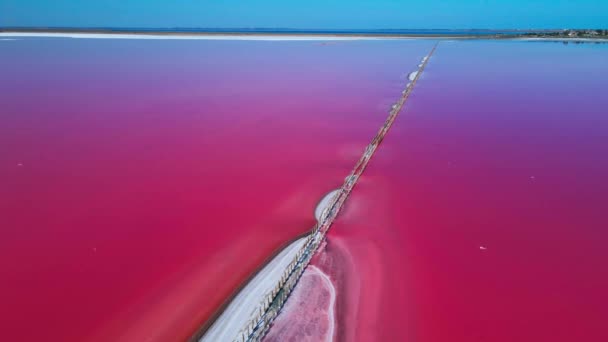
[(483, 214), (143, 181)]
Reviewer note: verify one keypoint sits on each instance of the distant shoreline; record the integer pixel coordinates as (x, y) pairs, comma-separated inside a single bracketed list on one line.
[(34, 33), (441, 33), (548, 35)]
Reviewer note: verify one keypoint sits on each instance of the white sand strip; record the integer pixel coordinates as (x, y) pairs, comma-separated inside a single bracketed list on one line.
[(184, 36), (244, 305)]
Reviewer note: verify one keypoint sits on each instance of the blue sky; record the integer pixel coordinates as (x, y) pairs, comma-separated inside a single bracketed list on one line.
[(328, 14)]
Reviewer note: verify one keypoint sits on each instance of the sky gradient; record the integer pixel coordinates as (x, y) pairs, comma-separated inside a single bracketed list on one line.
[(312, 14)]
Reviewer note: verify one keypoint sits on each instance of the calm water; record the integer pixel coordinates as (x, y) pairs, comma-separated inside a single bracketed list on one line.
[(143, 181), (483, 215)]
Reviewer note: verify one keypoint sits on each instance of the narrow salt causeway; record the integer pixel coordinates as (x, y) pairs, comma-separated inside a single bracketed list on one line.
[(308, 314), (238, 313)]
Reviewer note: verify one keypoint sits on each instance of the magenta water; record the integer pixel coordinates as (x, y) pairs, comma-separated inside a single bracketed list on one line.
[(482, 216), (143, 181)]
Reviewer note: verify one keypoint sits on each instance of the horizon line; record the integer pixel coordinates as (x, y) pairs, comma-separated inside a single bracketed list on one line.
[(284, 28)]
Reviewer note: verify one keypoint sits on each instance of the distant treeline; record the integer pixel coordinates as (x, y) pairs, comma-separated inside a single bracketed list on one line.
[(587, 33)]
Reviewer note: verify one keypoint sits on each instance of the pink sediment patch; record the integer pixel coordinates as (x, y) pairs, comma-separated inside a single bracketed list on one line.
[(335, 261), (309, 314)]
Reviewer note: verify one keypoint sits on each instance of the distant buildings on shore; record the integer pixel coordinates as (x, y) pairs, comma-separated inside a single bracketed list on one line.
[(570, 33)]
